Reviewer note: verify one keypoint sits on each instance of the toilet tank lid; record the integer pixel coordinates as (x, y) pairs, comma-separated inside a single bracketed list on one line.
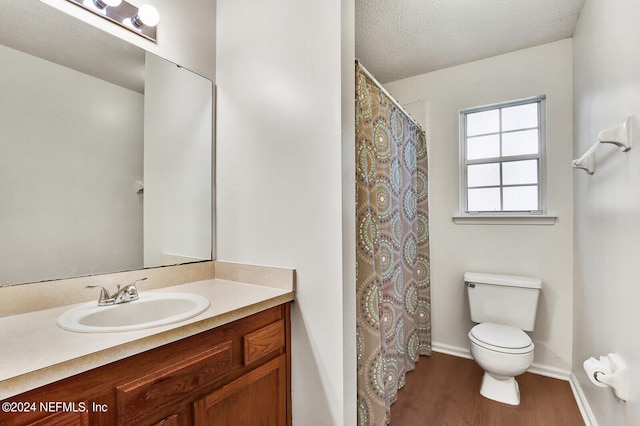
[(508, 280)]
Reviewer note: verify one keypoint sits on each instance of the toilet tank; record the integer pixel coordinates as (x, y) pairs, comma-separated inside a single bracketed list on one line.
[(503, 299)]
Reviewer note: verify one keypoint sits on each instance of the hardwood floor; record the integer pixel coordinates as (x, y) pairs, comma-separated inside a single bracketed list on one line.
[(445, 390)]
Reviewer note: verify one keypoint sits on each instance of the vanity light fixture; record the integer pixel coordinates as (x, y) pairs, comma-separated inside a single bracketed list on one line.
[(102, 4), (142, 20), (147, 15)]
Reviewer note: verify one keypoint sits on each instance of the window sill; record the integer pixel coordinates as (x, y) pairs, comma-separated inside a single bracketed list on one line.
[(505, 220)]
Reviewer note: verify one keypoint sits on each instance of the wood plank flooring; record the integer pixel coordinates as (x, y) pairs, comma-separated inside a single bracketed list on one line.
[(445, 390)]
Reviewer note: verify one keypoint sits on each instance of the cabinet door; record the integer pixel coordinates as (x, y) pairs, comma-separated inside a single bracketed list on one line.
[(258, 398)]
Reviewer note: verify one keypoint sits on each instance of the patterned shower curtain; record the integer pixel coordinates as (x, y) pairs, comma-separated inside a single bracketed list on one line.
[(393, 278)]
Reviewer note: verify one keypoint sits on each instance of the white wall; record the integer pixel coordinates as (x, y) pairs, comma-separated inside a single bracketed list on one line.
[(67, 201), (279, 176), (607, 204), (177, 163), (530, 250)]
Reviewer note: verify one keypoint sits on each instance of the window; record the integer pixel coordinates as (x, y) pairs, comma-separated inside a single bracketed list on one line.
[(503, 158)]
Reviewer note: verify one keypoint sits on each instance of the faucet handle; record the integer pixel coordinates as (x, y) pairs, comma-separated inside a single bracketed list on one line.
[(105, 297), (137, 281), (132, 290)]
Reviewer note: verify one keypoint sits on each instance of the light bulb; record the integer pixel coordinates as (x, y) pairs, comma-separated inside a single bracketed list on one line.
[(101, 4), (147, 15)]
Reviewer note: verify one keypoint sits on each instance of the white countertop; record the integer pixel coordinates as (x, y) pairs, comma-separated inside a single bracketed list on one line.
[(34, 351)]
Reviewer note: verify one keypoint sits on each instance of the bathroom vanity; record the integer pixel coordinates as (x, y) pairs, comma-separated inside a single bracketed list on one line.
[(229, 365), (234, 374)]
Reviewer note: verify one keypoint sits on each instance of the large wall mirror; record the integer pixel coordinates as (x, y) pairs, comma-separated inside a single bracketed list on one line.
[(105, 152)]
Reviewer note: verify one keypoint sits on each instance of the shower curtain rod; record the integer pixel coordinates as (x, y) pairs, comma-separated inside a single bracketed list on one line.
[(388, 95)]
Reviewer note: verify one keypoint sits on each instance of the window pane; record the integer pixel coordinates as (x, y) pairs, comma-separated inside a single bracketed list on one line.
[(483, 147), (520, 172), (520, 143), (483, 174), (483, 200), (484, 122), (520, 117), (520, 198)]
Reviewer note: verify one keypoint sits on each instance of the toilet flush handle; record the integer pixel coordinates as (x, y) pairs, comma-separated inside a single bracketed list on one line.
[(468, 284)]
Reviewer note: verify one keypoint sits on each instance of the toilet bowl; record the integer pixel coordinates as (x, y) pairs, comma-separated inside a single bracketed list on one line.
[(503, 352)]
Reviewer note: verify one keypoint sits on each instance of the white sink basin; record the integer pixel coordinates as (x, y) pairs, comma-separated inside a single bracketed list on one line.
[(150, 310)]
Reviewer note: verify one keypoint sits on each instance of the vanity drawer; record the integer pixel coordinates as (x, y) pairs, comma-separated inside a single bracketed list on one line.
[(170, 384), (263, 342)]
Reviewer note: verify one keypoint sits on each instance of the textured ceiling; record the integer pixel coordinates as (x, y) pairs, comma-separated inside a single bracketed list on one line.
[(402, 38)]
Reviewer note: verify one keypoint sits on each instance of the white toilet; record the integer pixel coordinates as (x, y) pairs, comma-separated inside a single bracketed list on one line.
[(504, 306)]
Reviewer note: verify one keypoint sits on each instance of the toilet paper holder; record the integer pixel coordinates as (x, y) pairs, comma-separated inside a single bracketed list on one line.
[(608, 371)]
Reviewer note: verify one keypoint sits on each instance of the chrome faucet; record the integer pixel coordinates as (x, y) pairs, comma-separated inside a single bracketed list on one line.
[(128, 293)]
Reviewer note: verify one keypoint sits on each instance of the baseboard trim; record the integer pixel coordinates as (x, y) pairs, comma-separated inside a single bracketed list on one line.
[(543, 370), (581, 400), (451, 350), (555, 373)]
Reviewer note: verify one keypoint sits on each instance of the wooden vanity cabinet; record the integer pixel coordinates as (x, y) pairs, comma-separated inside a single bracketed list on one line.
[(234, 375), (262, 391)]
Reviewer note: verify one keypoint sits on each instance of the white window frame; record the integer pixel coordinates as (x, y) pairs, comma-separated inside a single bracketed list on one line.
[(540, 156)]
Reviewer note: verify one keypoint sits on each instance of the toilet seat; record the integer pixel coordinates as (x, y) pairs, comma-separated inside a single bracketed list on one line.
[(501, 338)]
